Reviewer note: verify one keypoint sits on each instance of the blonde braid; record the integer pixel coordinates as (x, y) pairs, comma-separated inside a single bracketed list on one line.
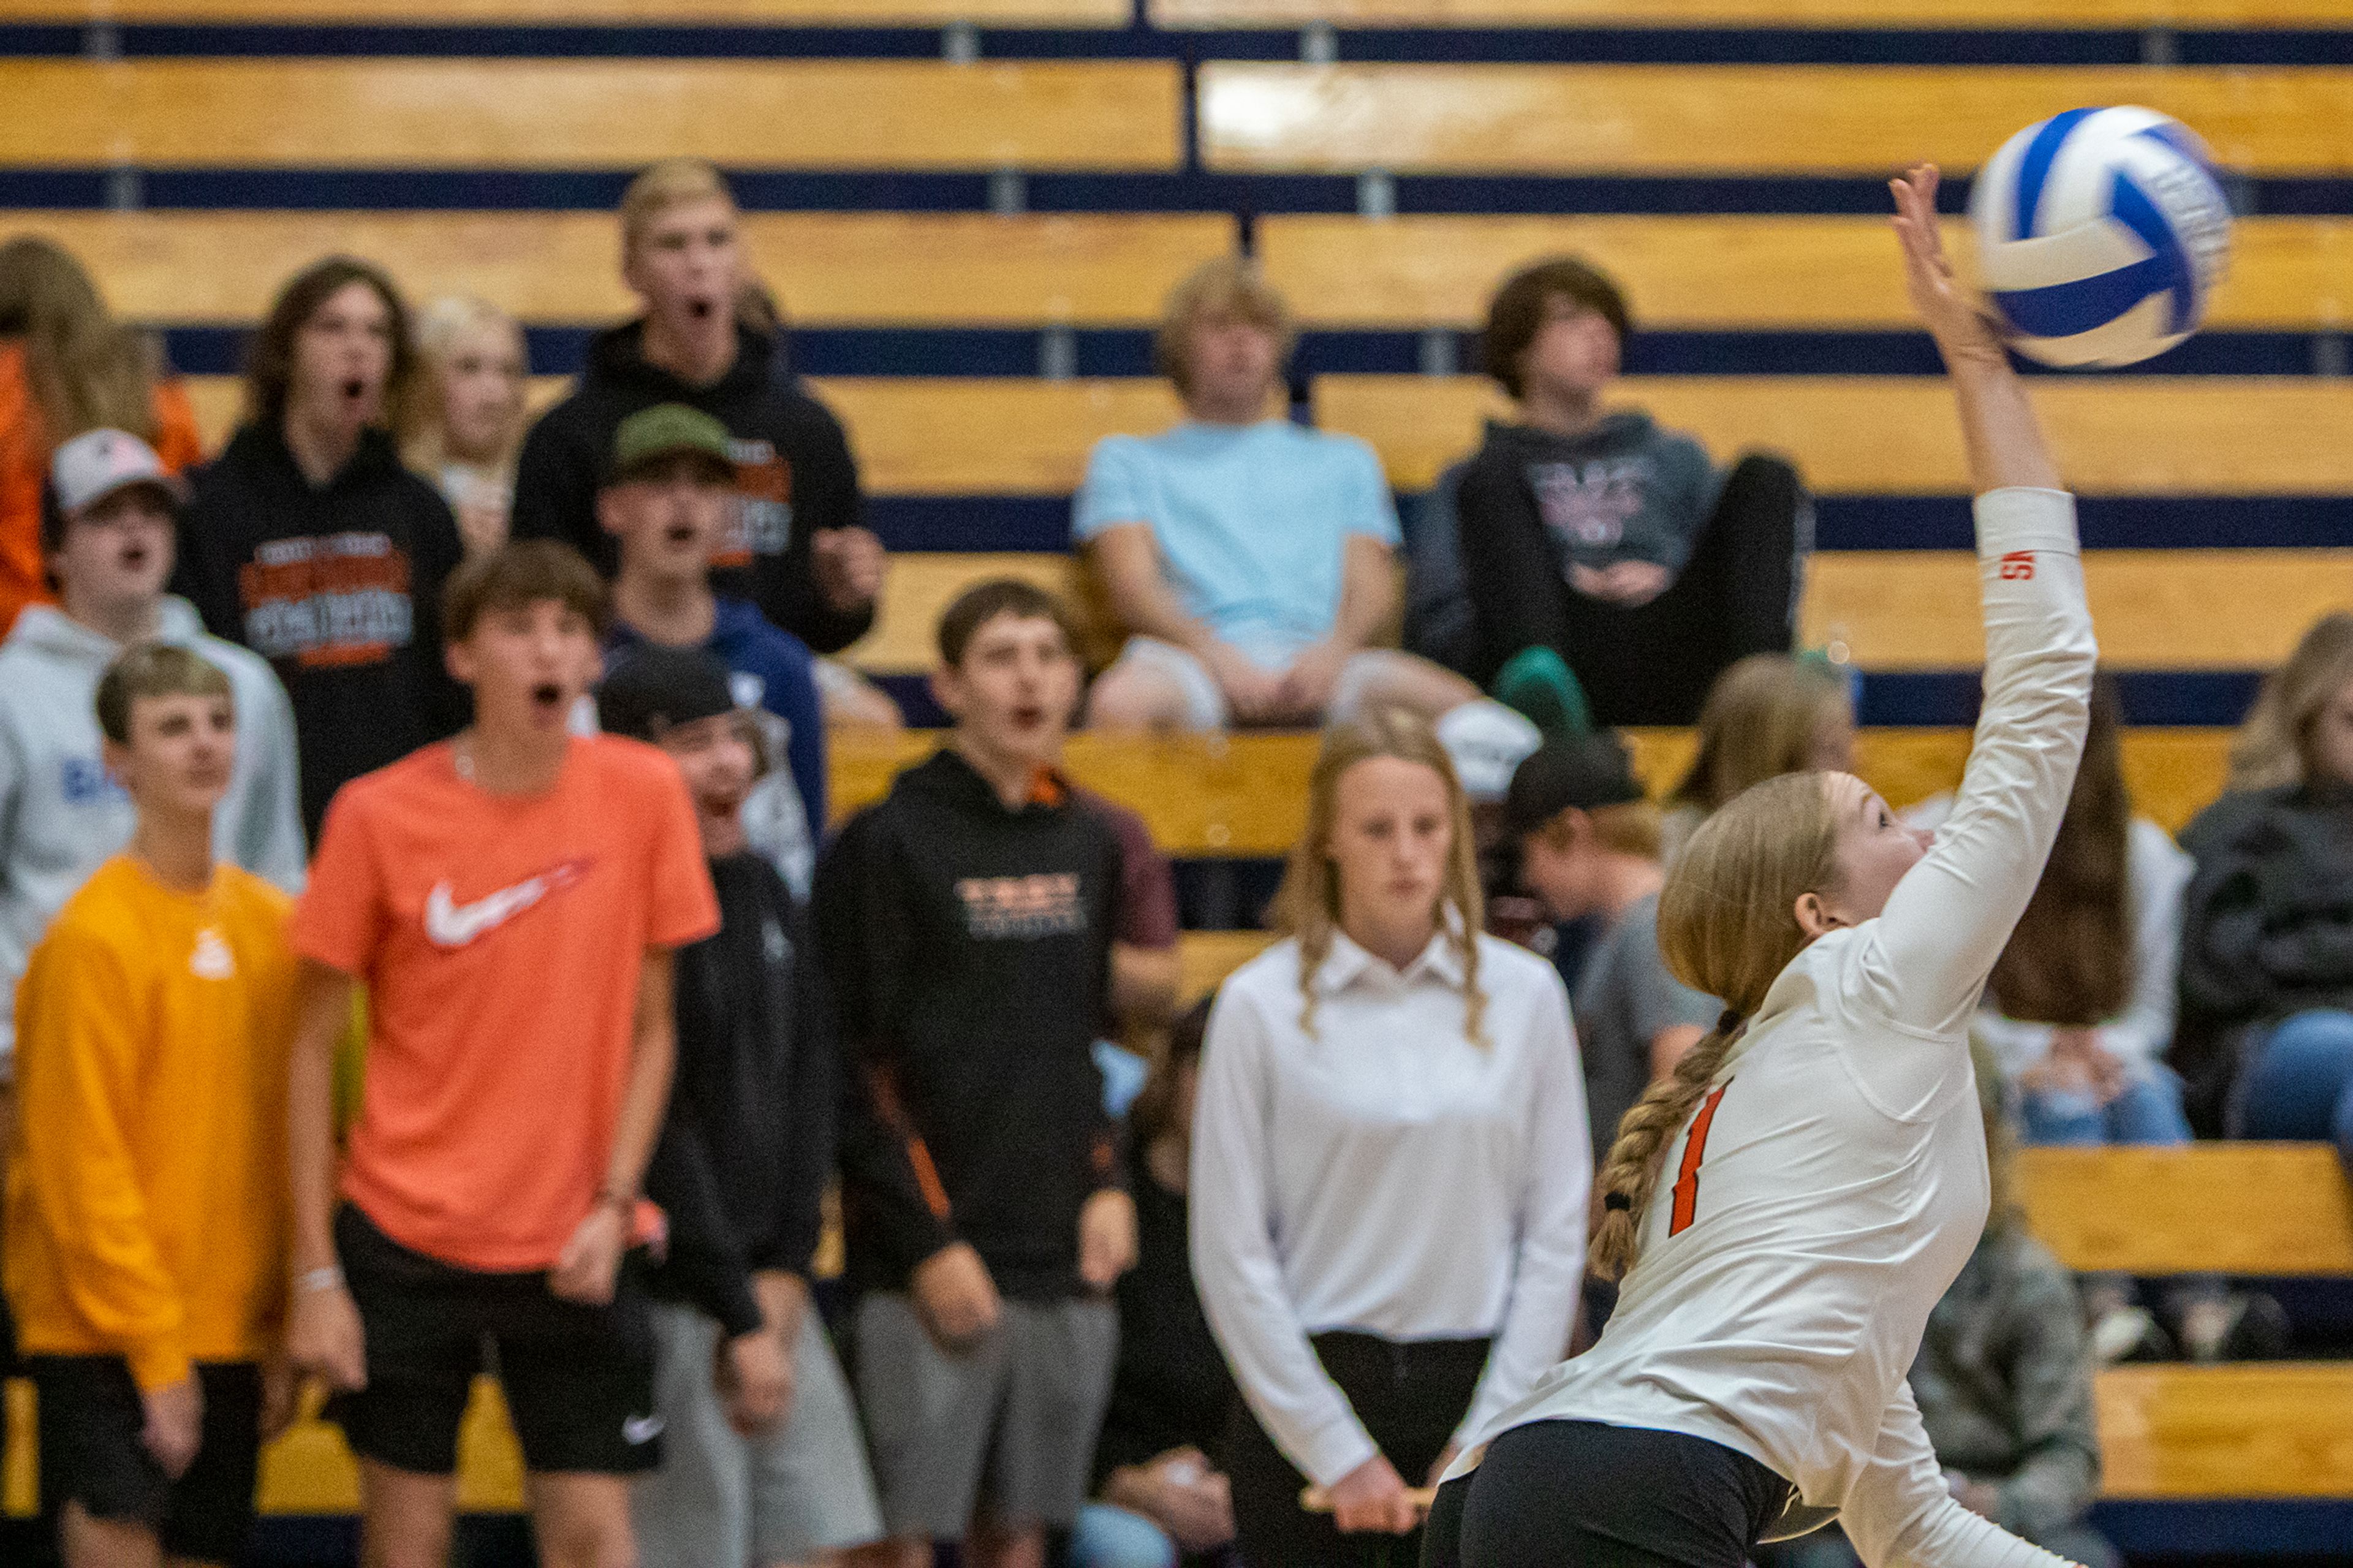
[(1631, 1174)]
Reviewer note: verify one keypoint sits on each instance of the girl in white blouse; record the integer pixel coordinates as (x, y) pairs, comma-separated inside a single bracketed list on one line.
[(1788, 1207), (1390, 1163)]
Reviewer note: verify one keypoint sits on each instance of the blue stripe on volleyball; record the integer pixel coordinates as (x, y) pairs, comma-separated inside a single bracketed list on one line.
[(2170, 257), (2063, 309), (2034, 168)]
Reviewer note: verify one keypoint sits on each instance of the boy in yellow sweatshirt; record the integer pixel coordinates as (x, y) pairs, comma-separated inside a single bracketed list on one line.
[(147, 1210)]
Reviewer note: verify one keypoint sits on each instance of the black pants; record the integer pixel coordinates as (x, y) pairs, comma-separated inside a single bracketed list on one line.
[(1410, 1397), (1736, 595), (1578, 1494)]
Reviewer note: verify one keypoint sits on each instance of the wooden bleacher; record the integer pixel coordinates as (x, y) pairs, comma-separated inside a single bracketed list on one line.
[(1751, 273), (1889, 609), (364, 113), (830, 269), (1095, 269), (1733, 119), (1747, 13), (2115, 435), (1210, 797)]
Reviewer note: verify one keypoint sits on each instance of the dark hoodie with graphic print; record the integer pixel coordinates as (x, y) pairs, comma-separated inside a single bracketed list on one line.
[(968, 947), (339, 587), (793, 471)]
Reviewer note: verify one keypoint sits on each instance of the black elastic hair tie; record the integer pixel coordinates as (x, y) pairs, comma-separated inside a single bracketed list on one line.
[(1729, 1022), (1617, 1201)]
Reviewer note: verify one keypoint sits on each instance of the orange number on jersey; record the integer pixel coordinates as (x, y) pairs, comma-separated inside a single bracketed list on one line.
[(1694, 1150)]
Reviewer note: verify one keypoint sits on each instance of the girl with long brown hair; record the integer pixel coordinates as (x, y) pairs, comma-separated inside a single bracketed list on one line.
[(1785, 1208), (68, 367), (2080, 1011), (1390, 1162)]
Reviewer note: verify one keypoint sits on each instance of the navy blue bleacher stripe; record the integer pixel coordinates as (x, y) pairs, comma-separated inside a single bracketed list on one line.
[(1127, 352), (1821, 353), (1042, 523), (1039, 524), (1948, 699), (2107, 522), (2228, 1531), (1246, 194), (1634, 46)]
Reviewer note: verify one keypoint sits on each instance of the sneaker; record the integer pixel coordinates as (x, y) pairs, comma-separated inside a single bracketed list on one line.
[(1538, 682), (2129, 1334)]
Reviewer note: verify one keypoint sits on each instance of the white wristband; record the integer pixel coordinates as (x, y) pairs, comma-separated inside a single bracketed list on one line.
[(311, 1281)]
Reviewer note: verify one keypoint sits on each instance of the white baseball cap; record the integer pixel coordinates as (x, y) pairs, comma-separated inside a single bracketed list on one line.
[(94, 465)]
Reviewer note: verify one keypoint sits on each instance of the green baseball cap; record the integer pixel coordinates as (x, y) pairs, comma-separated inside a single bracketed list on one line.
[(666, 430)]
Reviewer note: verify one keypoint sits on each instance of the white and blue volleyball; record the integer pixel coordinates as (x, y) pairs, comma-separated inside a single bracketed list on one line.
[(2100, 233)]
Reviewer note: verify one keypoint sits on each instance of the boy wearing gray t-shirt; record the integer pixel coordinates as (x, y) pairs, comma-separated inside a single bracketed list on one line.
[(1588, 843)]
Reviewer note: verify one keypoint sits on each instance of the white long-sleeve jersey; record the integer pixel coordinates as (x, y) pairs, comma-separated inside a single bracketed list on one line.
[(1833, 1181)]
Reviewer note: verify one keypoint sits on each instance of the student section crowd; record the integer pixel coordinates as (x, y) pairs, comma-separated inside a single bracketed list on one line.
[(482, 769)]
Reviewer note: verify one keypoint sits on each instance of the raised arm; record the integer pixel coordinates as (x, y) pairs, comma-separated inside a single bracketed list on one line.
[(1952, 914)]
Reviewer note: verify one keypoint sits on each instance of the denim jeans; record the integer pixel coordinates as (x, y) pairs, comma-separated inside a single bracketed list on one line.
[(2296, 1083), (2147, 1110), (1108, 1536)]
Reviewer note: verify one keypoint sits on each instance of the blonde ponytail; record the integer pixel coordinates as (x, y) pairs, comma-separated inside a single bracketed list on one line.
[(1727, 927), (1631, 1174)]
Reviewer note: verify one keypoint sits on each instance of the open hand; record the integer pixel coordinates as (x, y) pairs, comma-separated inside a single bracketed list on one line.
[(1952, 317)]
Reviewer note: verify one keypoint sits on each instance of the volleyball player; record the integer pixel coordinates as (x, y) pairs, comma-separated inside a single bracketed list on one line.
[(1822, 1147)]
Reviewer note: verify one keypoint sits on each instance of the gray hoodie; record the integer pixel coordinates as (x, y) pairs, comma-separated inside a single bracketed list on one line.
[(1625, 489), (61, 815)]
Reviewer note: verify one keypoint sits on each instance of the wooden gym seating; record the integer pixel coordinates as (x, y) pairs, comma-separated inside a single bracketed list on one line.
[(516, 113)]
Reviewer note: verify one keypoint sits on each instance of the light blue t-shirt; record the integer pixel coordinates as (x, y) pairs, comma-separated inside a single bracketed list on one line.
[(1252, 521)]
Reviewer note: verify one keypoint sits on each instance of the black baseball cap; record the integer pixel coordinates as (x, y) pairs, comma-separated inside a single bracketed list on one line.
[(1586, 772), (652, 689)]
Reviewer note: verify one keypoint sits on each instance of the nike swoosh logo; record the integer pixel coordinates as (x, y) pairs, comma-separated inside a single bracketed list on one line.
[(640, 1429), (449, 923)]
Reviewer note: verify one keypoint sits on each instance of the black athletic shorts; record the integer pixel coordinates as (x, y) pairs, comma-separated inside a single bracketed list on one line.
[(90, 1426), (1579, 1494), (578, 1379)]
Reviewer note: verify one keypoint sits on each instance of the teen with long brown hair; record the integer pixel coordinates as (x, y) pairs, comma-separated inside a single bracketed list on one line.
[(307, 541), (68, 367), (2080, 1011), (1816, 1159), (1390, 1163)]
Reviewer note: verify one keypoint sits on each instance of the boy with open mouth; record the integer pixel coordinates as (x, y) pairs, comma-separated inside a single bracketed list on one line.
[(513, 899)]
